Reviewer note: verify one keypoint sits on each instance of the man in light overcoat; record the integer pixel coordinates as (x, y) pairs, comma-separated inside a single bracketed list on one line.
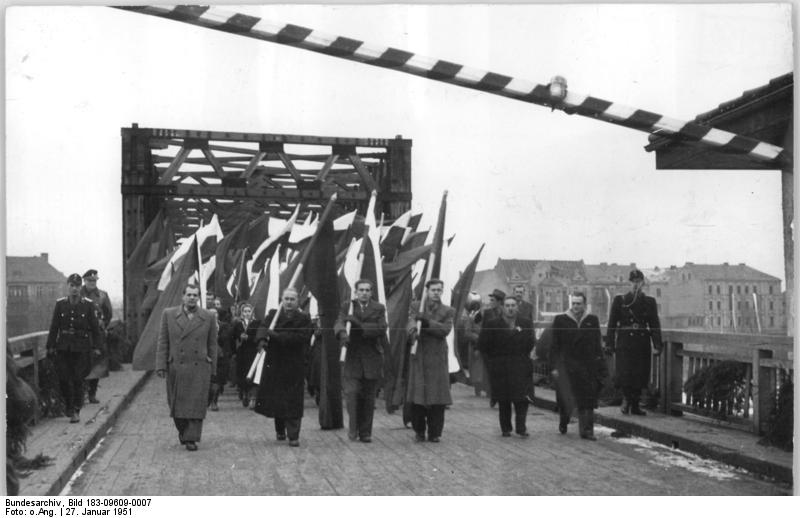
[(186, 356)]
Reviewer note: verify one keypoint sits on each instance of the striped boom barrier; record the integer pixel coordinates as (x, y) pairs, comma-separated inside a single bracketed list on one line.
[(439, 70)]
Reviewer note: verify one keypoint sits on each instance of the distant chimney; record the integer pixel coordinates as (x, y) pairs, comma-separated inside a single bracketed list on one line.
[(672, 267), (689, 264), (742, 264), (603, 264), (45, 256), (725, 264)]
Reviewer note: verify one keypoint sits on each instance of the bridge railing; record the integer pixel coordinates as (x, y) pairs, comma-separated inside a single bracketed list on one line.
[(28, 350), (766, 361)]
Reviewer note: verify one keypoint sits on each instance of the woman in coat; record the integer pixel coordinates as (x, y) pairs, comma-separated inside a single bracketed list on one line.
[(578, 365), (428, 389), (506, 344), (280, 392), (244, 333)]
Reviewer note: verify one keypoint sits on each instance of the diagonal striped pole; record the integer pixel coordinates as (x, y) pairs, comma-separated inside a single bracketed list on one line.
[(439, 70)]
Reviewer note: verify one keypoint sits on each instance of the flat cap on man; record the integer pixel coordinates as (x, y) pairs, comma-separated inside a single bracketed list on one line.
[(90, 274), (636, 275), (498, 294), (74, 279)]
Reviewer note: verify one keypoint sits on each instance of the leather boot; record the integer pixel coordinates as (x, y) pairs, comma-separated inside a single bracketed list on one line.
[(586, 424), (626, 406), (563, 421), (635, 410)]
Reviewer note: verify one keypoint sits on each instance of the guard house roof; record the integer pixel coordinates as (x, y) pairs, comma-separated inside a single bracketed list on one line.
[(32, 270), (763, 113)]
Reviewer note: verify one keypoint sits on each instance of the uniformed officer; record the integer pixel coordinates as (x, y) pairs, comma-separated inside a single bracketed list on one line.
[(100, 364), (632, 326), (74, 338)]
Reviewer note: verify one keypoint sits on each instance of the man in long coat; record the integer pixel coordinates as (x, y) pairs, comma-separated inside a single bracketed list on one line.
[(73, 340), (506, 343), (186, 356), (578, 365), (363, 364), (280, 392), (480, 364), (525, 308), (633, 326), (100, 363), (428, 389)]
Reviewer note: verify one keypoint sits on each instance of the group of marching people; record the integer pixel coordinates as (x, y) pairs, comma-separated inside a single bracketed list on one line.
[(195, 348)]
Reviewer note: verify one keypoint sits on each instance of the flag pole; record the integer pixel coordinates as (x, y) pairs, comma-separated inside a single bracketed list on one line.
[(303, 258)]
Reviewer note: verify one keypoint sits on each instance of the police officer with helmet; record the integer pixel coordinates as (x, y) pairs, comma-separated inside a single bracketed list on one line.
[(74, 338)]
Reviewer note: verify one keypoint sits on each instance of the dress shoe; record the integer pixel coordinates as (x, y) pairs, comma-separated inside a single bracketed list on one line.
[(366, 438), (245, 401), (637, 411), (352, 436), (625, 409), (191, 446), (281, 437), (434, 439), (419, 438), (523, 434), (588, 437), (492, 403), (180, 438), (93, 400), (214, 407), (294, 442), (75, 418), (506, 434), (562, 427)]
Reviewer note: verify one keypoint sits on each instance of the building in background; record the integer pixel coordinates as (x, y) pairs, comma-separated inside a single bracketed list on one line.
[(719, 298), (32, 287)]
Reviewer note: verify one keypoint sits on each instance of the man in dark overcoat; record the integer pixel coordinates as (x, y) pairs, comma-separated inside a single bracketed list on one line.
[(428, 389), (280, 392), (100, 363), (186, 355), (481, 364), (363, 364), (578, 365), (74, 338), (633, 331), (245, 349), (506, 343)]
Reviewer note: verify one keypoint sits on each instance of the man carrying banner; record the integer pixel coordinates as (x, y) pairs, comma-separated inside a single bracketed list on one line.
[(632, 326), (280, 392), (363, 365), (186, 355), (428, 389), (245, 348)]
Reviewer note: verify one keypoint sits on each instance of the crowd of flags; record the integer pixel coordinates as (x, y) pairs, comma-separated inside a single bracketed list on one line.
[(322, 257)]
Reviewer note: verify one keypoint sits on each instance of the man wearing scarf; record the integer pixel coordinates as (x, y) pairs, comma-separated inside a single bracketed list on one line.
[(578, 365)]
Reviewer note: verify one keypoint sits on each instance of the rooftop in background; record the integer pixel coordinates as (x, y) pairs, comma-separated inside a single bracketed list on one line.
[(727, 272), (32, 270)]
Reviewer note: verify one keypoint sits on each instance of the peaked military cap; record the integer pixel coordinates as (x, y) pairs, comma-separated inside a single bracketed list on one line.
[(90, 274), (74, 279)]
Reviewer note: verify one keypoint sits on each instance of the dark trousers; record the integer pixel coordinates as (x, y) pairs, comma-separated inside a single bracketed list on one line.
[(288, 427), (520, 413), (632, 396), (72, 367), (359, 396), (430, 417), (91, 387), (189, 430)]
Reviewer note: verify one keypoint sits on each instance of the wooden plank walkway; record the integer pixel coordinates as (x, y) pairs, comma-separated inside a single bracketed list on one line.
[(240, 456)]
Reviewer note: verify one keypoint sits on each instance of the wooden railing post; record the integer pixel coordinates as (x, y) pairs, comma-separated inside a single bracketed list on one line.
[(671, 377), (763, 386)]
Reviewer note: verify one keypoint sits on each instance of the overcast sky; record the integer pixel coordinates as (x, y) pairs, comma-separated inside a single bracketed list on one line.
[(530, 183)]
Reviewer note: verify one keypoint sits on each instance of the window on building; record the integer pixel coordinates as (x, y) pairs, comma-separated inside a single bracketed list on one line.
[(719, 306), (658, 292), (771, 305), (770, 290), (710, 290), (717, 289), (16, 292), (746, 304), (658, 306), (730, 305), (755, 288), (739, 321), (711, 305), (738, 289), (746, 290), (771, 321), (719, 321), (730, 288)]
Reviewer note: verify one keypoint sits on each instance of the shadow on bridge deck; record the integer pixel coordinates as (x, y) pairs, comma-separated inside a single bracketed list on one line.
[(70, 444)]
